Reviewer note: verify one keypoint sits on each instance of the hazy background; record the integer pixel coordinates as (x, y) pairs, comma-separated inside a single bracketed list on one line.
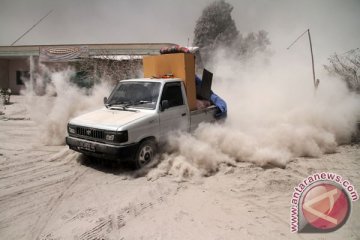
[(274, 114), (334, 24)]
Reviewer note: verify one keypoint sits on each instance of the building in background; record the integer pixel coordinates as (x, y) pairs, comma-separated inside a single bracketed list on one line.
[(118, 61)]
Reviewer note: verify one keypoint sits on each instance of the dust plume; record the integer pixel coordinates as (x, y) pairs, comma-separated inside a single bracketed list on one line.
[(59, 100), (187, 156), (274, 115)]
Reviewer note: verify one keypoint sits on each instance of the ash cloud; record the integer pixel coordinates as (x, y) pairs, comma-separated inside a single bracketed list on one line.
[(274, 115), (59, 101)]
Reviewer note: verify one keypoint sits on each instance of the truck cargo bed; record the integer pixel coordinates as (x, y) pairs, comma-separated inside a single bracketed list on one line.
[(202, 115)]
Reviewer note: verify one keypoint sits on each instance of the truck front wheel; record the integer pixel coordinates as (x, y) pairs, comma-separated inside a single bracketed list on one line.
[(146, 153)]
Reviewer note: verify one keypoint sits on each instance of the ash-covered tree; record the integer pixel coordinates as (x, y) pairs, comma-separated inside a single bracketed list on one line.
[(215, 26), (247, 46), (216, 29), (347, 67)]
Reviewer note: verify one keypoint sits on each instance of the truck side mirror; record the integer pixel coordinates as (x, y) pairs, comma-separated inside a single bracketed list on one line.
[(164, 105), (105, 100)]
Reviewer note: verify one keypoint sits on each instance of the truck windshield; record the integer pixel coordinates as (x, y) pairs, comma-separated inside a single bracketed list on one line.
[(135, 95)]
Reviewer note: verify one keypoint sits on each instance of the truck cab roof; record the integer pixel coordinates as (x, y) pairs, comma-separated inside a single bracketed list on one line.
[(161, 80)]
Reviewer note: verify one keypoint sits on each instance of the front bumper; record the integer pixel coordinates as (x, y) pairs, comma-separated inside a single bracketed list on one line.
[(102, 150)]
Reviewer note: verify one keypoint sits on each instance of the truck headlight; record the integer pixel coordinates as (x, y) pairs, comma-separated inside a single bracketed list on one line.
[(109, 137), (117, 137), (71, 129), (122, 136)]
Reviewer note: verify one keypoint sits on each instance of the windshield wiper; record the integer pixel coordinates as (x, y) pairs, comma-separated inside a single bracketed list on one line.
[(125, 105), (142, 102)]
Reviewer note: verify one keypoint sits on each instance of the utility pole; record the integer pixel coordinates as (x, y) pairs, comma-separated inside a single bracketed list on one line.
[(315, 81)]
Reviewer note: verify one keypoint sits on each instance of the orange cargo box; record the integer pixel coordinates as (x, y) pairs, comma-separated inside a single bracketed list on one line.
[(180, 65)]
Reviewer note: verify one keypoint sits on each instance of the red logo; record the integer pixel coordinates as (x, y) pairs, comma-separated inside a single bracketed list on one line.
[(326, 207)]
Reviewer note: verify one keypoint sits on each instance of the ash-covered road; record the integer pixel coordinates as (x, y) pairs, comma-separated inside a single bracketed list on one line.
[(50, 192)]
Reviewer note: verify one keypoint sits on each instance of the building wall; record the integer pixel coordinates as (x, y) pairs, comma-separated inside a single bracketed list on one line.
[(4, 73), (110, 70), (14, 66)]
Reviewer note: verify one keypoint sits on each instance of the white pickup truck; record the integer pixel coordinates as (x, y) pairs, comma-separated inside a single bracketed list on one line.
[(138, 115)]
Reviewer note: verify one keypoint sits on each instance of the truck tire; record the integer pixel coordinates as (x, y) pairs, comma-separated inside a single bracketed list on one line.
[(145, 153)]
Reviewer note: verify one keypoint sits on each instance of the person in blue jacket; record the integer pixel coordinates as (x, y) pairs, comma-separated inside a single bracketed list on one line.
[(215, 99)]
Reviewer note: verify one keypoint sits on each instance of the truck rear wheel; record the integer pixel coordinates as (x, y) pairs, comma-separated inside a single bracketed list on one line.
[(145, 153)]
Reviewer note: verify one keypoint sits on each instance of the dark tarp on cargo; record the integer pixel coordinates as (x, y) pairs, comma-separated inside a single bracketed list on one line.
[(215, 99)]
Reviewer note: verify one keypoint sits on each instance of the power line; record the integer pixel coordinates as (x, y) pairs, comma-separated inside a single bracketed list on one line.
[(296, 40), (32, 27)]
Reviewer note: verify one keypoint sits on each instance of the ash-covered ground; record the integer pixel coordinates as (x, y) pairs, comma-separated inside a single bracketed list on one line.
[(51, 192)]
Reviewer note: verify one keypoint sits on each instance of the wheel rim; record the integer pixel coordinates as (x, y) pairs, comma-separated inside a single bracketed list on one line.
[(146, 155)]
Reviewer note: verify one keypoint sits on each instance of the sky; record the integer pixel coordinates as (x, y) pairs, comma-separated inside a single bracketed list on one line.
[(334, 24)]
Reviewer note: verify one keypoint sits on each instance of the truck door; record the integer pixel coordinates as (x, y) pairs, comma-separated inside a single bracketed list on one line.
[(175, 116)]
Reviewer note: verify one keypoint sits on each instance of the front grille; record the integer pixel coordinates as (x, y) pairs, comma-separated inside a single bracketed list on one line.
[(90, 132)]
